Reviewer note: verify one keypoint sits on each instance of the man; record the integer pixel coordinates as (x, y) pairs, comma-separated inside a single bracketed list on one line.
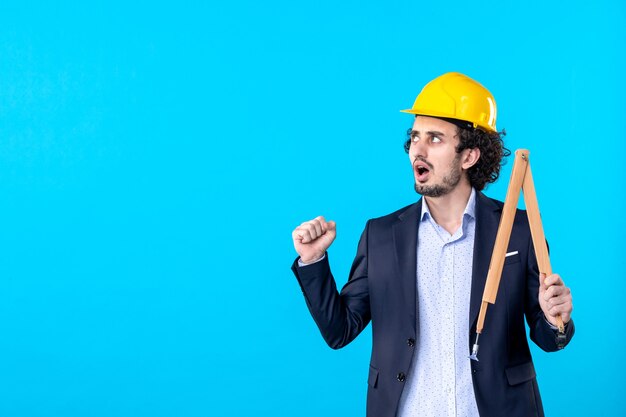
[(419, 275)]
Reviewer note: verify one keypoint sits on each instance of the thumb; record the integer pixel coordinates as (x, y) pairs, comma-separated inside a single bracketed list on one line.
[(331, 232)]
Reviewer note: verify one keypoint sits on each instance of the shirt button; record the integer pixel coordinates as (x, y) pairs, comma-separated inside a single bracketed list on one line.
[(401, 377), (410, 342)]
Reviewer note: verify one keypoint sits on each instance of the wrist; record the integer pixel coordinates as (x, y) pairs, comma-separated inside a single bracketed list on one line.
[(311, 259)]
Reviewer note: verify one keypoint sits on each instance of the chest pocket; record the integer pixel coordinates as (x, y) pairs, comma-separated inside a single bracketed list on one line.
[(512, 258)]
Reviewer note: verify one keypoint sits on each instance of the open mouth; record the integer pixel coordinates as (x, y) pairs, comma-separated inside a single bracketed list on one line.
[(422, 171)]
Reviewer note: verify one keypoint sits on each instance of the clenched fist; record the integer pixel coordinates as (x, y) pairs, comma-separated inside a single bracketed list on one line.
[(312, 238), (555, 298)]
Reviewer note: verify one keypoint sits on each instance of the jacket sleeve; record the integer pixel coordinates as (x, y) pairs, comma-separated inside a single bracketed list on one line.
[(541, 331), (339, 316)]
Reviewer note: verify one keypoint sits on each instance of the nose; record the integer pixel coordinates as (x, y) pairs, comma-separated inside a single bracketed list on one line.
[(418, 149)]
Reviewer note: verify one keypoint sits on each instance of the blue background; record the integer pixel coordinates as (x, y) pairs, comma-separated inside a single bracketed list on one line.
[(154, 159)]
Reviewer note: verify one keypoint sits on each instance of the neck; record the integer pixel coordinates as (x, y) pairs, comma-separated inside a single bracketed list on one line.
[(448, 209)]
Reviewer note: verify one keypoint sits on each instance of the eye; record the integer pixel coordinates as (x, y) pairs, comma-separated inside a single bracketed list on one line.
[(436, 139), (414, 138)]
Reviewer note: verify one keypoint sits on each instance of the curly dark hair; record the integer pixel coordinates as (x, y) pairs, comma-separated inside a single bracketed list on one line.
[(492, 153)]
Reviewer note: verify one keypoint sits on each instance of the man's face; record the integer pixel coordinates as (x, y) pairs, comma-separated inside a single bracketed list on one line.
[(436, 164)]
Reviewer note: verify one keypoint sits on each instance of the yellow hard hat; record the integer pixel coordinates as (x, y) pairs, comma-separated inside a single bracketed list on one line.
[(457, 96)]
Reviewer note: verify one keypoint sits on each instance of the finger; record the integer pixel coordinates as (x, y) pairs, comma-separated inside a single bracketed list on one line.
[(317, 223), (566, 317), (320, 218), (317, 226), (549, 280), (553, 279), (305, 234), (323, 223), (331, 232), (296, 235), (314, 229), (555, 291), (556, 301), (563, 310), (559, 302)]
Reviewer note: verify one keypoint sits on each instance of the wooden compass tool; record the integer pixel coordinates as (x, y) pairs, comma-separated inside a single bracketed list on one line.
[(521, 180)]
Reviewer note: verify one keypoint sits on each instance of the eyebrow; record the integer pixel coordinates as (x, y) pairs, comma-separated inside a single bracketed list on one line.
[(430, 132)]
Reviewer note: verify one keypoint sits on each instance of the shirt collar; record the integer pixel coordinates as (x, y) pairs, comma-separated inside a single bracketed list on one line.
[(470, 208)]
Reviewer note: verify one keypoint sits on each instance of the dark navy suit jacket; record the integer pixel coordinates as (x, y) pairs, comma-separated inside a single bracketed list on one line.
[(382, 289)]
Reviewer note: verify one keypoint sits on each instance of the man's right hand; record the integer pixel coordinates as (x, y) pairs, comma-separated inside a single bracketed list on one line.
[(312, 238)]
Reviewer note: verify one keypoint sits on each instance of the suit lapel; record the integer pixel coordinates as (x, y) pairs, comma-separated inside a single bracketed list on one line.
[(405, 242), (405, 231), (487, 222)]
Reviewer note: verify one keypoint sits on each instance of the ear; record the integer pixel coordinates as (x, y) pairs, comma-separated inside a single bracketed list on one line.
[(470, 157)]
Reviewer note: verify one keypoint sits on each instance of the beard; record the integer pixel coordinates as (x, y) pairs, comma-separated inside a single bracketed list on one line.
[(448, 183)]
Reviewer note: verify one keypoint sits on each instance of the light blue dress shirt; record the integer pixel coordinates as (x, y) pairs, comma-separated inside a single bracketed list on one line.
[(439, 382)]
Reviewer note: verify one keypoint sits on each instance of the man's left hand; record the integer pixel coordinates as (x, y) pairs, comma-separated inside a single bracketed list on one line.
[(555, 298)]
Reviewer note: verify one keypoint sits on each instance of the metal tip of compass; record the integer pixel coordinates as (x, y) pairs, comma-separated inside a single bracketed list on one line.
[(474, 355)]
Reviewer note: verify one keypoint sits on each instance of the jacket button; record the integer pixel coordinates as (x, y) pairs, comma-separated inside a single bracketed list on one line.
[(410, 342), (401, 377)]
